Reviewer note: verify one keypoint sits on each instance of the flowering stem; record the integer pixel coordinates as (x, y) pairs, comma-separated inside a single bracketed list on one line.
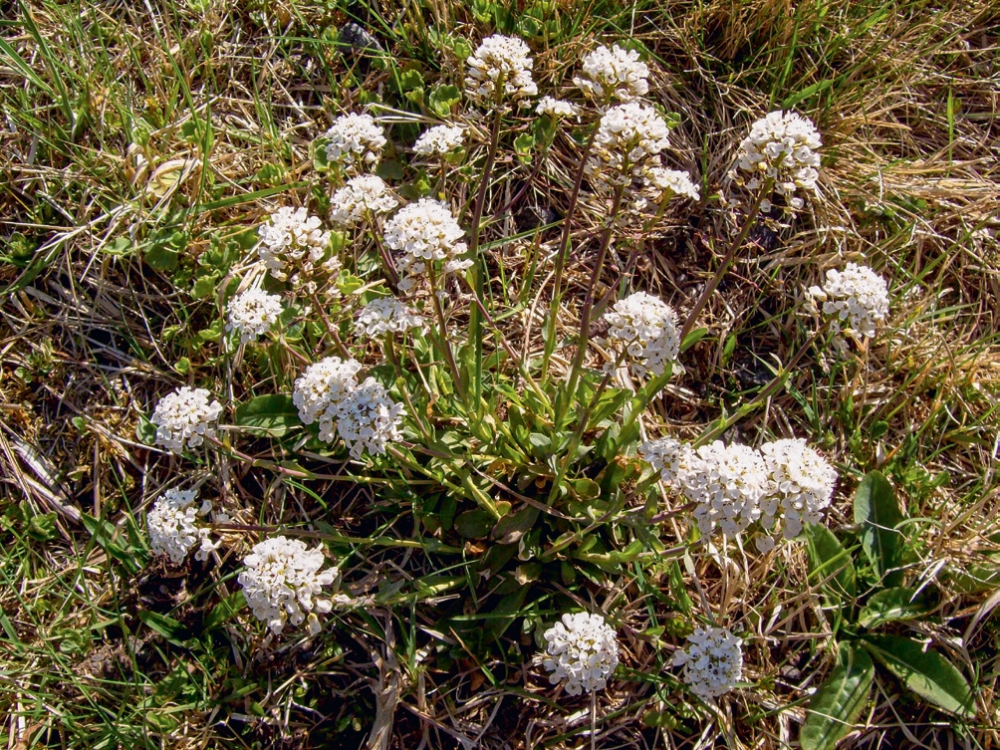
[(574, 198), (642, 399), (476, 322), (445, 343), (387, 263), (430, 545), (730, 254), (334, 334), (588, 305)]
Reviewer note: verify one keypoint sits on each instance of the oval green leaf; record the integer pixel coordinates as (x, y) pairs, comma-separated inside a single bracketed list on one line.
[(838, 702), (891, 605), (877, 513), (272, 415)]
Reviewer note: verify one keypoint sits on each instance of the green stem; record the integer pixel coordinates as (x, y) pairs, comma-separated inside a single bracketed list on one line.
[(476, 322), (730, 254)]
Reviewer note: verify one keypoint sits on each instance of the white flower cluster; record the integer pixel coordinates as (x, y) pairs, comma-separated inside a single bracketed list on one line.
[(857, 294), (368, 419), (626, 137), (801, 486), (500, 61), (282, 582), (185, 417), (361, 199), (646, 327), (355, 141), (173, 526), (386, 315), (712, 661), (733, 486), (252, 313), (556, 108), (781, 146), (583, 650), (363, 415), (320, 390), (613, 74), (291, 242), (424, 232), (664, 183), (440, 140)]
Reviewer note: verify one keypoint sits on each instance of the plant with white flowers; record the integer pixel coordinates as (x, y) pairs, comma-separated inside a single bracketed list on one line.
[(293, 246), (500, 69), (368, 420), (423, 234), (613, 73), (581, 649), (355, 142), (781, 148), (440, 140), (712, 662), (386, 315), (362, 199), (801, 487), (253, 313), (283, 582), (627, 138), (663, 184), (185, 417), (320, 390), (174, 529), (644, 329), (556, 108), (857, 295)]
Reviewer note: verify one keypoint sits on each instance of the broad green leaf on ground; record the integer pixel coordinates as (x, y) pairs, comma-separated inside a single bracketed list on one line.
[(877, 514), (838, 702), (830, 564), (271, 415), (474, 524), (925, 672), (890, 605)]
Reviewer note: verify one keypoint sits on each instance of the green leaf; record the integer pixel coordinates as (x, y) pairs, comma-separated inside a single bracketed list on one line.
[(168, 627), (877, 513), (272, 415), (410, 79), (43, 527), (160, 257), (838, 702), (474, 524), (523, 145), (830, 563), (225, 609), (513, 526), (892, 605), (443, 98), (926, 673)]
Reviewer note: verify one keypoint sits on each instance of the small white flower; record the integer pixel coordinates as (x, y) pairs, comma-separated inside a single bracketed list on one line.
[(386, 315), (627, 137), (801, 485), (645, 327), (582, 649), (423, 233), (252, 313), (673, 459), (172, 524), (283, 583), (440, 140), (367, 419), (781, 146), (292, 244), (320, 390), (856, 295), (355, 141), (727, 487), (500, 69), (361, 199), (712, 661), (613, 74), (663, 183), (556, 108), (185, 417)]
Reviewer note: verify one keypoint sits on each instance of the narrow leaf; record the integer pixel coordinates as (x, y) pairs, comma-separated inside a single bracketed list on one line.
[(877, 513), (890, 605), (830, 565), (838, 702), (926, 673)]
